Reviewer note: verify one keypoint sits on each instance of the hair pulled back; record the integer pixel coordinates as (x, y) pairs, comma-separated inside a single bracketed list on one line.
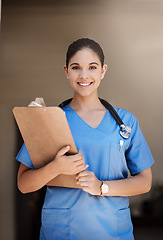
[(81, 44)]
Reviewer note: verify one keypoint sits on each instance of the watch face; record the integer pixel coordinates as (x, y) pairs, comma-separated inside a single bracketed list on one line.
[(105, 188)]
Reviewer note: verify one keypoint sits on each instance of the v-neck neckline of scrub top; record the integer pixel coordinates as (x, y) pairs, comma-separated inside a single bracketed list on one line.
[(85, 121)]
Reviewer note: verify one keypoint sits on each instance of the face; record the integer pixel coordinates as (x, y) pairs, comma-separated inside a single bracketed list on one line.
[(85, 72)]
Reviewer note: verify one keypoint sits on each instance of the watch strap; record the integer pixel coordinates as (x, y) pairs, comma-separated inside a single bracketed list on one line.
[(100, 190)]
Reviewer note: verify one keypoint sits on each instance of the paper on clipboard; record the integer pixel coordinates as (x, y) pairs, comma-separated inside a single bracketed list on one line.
[(45, 131), (39, 102)]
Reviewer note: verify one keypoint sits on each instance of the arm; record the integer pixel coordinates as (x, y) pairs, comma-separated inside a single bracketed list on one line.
[(134, 185), (30, 180)]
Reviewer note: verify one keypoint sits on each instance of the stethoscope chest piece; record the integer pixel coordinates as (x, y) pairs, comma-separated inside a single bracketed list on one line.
[(125, 131)]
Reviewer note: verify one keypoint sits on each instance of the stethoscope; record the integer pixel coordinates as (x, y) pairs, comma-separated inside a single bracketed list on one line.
[(124, 130)]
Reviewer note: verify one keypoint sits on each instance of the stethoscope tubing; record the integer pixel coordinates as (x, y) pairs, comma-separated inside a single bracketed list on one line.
[(124, 130)]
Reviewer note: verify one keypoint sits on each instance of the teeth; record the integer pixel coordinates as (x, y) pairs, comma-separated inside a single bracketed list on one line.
[(84, 84)]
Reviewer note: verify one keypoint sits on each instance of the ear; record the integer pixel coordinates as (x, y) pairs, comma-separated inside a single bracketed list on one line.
[(66, 71), (104, 69)]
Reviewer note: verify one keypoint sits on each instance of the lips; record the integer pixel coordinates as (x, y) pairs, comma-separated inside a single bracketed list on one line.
[(84, 84)]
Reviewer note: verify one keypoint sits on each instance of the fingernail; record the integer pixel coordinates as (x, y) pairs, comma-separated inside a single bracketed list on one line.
[(67, 147)]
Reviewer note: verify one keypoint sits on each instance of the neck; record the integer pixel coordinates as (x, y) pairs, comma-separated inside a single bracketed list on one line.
[(86, 103)]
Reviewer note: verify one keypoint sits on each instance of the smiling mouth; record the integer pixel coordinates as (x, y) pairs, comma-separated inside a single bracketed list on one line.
[(84, 84)]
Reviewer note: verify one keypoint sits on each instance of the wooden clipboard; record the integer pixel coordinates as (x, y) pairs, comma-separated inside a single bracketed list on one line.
[(45, 131)]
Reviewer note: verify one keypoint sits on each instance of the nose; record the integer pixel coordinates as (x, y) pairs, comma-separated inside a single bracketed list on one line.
[(84, 74)]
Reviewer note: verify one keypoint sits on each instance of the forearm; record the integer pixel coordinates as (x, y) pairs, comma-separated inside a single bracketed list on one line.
[(32, 180), (138, 184)]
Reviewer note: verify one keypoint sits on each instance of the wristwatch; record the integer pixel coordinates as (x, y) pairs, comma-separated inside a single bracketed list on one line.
[(103, 189)]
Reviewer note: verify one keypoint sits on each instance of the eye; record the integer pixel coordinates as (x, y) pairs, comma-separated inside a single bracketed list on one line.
[(75, 67), (92, 67)]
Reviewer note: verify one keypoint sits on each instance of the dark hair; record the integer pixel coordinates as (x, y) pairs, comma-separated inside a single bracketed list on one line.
[(81, 44)]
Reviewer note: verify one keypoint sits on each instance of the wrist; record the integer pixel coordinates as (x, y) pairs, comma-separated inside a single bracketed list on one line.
[(104, 189), (53, 168), (100, 189)]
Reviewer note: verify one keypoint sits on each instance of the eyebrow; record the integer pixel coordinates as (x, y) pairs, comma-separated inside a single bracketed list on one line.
[(74, 64), (94, 63), (89, 63)]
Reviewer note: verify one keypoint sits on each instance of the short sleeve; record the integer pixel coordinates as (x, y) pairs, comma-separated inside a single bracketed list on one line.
[(24, 157), (138, 155)]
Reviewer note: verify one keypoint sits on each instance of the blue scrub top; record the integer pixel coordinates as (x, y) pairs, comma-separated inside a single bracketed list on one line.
[(77, 215)]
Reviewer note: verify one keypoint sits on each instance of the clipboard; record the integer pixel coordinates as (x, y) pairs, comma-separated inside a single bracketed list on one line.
[(45, 131)]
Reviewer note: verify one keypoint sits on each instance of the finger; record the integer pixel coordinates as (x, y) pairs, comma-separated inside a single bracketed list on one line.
[(79, 156), (83, 184), (83, 179), (80, 152), (86, 166), (81, 168), (79, 162), (80, 175), (63, 151), (83, 174), (76, 157), (85, 189)]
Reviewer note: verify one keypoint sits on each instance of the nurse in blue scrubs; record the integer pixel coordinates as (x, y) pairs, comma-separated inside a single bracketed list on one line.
[(99, 209)]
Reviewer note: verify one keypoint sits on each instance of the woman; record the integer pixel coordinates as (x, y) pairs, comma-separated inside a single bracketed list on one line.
[(100, 208)]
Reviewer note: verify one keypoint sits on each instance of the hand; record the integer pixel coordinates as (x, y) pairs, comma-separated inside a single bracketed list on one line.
[(89, 182), (71, 164)]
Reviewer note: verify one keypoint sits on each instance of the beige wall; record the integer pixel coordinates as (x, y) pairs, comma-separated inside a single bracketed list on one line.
[(34, 39)]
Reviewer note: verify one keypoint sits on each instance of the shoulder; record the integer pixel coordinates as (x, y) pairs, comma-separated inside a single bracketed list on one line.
[(69, 113), (127, 117), (130, 120), (67, 109)]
